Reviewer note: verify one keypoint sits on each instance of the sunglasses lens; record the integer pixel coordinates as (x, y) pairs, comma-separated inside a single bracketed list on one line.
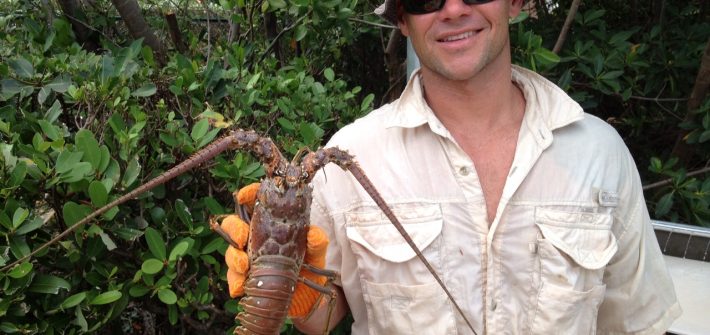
[(422, 6), (430, 6)]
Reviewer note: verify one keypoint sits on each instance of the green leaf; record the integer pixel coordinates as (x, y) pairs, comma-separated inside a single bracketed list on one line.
[(172, 310), (19, 217), (365, 105), (132, 172), (73, 300), (253, 80), (145, 90), (546, 56), (108, 242), (106, 69), (105, 159), (18, 174), (167, 296), (126, 233), (208, 138), (664, 204), (22, 67), (178, 250), (301, 32), (48, 284), (67, 160), (30, 226), (152, 266), (43, 94), (704, 136), (200, 129), (106, 298), (97, 193), (183, 212), (73, 212), (80, 320), (138, 290), (9, 328), (87, 144), (611, 75), (19, 246), (60, 84), (53, 112), (329, 74), (49, 130), (286, 123), (214, 245), (155, 243), (78, 172), (21, 270)]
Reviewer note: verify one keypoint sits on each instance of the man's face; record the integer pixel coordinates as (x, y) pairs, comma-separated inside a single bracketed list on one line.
[(459, 41)]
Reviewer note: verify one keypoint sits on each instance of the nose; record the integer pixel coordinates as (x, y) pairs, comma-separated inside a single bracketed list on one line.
[(453, 9)]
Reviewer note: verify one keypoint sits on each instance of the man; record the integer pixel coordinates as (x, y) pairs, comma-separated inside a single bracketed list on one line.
[(530, 210)]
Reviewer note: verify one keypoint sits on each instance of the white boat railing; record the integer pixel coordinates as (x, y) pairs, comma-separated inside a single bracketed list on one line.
[(686, 253)]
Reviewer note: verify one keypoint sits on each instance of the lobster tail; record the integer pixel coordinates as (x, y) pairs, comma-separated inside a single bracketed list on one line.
[(269, 289)]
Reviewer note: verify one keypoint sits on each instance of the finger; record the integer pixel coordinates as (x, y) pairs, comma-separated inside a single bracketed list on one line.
[(317, 246), (237, 229), (247, 194), (235, 281), (237, 260)]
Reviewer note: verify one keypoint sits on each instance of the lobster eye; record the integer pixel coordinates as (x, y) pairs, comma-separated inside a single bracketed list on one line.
[(280, 172), (304, 175)]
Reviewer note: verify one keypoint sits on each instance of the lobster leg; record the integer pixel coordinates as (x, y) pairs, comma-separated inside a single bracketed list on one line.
[(325, 290)]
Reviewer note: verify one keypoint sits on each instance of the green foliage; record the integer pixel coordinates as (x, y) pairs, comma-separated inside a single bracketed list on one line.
[(78, 129)]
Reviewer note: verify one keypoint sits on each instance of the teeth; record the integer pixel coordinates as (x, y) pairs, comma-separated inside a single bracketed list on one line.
[(459, 36)]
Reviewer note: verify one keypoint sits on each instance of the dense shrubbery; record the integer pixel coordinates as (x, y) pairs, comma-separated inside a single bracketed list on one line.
[(79, 128)]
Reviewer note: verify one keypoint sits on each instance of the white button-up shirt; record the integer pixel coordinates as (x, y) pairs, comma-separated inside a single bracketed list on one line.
[(571, 249)]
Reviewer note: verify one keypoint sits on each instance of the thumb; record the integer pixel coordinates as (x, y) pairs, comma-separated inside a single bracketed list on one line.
[(317, 247)]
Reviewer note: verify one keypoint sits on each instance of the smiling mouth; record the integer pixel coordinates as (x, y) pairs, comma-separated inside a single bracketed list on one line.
[(458, 37)]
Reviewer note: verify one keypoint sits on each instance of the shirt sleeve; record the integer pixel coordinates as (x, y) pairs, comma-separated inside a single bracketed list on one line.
[(640, 297)]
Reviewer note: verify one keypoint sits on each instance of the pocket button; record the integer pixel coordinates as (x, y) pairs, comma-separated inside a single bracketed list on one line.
[(463, 171)]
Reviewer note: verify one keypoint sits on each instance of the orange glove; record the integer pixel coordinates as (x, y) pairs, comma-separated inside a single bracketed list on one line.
[(237, 260)]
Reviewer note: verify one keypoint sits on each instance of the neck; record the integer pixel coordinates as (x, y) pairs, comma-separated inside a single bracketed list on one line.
[(479, 105)]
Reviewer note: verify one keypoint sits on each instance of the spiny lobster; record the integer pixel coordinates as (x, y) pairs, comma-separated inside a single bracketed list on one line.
[(278, 228)]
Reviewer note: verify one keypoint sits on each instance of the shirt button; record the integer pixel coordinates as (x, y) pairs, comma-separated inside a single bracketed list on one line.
[(463, 171)]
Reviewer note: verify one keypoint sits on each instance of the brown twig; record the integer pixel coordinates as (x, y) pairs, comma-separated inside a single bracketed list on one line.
[(565, 28), (670, 180)]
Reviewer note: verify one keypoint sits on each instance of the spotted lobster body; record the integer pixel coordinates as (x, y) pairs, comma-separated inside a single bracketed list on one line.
[(277, 244)]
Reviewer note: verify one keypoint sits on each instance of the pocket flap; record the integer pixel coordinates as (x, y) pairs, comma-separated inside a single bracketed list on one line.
[(584, 237), (370, 228)]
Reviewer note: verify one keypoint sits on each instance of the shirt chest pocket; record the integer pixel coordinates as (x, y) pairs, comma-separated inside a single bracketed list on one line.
[(573, 249), (401, 296)]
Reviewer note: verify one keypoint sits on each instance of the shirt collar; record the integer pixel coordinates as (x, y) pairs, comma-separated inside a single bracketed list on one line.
[(547, 106)]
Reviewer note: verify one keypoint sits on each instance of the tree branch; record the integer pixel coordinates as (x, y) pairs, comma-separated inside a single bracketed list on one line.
[(565, 28), (670, 180)]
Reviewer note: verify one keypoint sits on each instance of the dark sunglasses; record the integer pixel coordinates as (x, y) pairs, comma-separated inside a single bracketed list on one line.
[(430, 6)]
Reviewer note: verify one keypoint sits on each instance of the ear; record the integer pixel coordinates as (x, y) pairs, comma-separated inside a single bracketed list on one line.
[(515, 8)]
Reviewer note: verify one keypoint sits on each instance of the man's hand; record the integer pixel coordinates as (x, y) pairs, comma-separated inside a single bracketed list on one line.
[(237, 260)]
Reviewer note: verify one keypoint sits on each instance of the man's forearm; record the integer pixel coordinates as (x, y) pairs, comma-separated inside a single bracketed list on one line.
[(316, 323)]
